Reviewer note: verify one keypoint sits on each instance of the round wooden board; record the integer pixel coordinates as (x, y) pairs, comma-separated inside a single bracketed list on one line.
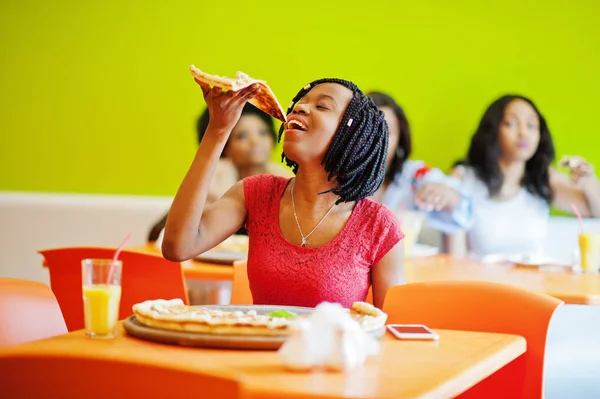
[(222, 341)]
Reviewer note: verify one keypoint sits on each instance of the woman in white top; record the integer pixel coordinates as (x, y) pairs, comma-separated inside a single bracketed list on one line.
[(411, 184), (512, 185)]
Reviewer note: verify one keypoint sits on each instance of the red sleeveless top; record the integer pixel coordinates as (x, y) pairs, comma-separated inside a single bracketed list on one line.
[(282, 273)]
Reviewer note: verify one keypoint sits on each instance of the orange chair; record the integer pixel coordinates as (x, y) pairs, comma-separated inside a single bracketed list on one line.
[(240, 287), (28, 312), (486, 307), (144, 276), (30, 376)]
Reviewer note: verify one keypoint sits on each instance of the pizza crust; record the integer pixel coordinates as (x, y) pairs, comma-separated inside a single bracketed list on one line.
[(210, 329), (265, 101)]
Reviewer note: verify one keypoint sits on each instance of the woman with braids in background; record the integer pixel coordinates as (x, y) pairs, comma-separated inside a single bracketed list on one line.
[(507, 172), (313, 238), (412, 184)]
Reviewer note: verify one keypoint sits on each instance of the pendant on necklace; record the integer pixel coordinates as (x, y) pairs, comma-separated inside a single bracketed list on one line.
[(303, 243)]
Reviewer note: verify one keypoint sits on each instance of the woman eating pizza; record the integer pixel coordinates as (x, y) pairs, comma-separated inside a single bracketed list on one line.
[(312, 238)]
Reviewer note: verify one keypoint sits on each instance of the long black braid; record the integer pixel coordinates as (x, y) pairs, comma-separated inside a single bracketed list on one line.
[(357, 153)]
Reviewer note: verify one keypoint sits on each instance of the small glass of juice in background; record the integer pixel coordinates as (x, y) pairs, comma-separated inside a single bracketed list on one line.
[(101, 296), (589, 252), (411, 223)]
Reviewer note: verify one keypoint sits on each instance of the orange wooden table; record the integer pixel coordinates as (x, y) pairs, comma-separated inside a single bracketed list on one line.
[(566, 285), (404, 369)]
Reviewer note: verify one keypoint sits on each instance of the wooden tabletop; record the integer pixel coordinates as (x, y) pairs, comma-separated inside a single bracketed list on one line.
[(404, 369), (563, 284)]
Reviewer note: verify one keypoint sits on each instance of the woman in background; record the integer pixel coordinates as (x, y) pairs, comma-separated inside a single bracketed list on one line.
[(507, 172), (247, 152), (411, 184)]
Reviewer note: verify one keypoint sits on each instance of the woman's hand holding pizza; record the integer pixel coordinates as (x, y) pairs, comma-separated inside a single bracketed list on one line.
[(580, 171), (225, 107)]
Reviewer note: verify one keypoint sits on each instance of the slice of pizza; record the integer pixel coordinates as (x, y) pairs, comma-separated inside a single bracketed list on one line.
[(265, 101)]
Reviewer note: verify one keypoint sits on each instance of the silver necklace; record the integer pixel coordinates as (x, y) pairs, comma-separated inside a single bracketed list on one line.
[(298, 223)]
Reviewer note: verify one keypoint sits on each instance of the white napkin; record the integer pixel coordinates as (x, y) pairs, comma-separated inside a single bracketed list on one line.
[(328, 338)]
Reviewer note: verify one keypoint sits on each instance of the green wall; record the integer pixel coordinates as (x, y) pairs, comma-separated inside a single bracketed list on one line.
[(96, 97)]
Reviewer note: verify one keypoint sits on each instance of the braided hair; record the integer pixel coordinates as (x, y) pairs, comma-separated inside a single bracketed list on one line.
[(357, 153)]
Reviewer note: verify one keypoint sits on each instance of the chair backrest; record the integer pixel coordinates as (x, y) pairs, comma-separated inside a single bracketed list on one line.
[(572, 362), (52, 376), (28, 312), (240, 287), (144, 276), (486, 307)]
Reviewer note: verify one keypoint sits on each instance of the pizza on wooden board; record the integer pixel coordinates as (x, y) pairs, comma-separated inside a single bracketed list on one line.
[(265, 101), (174, 315)]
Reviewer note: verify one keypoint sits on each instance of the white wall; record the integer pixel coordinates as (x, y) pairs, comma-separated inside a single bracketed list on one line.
[(33, 221)]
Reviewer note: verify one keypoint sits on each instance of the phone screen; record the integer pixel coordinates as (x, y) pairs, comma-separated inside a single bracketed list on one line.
[(411, 330)]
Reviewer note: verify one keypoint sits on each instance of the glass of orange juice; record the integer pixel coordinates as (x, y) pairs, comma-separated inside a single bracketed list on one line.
[(589, 252), (101, 296)]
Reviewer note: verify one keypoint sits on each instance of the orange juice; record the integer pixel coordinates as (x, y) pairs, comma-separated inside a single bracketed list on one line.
[(101, 309), (589, 250)]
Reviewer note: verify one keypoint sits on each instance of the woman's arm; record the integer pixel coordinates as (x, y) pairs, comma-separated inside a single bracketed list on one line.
[(389, 271), (455, 243), (192, 226), (582, 189), (443, 199)]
